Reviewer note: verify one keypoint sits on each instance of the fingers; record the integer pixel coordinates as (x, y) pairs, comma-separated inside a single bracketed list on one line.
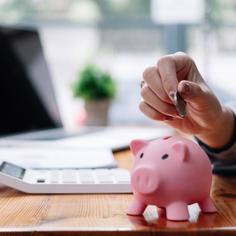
[(163, 81), (173, 68), (152, 113), (156, 103), (152, 78), (167, 68), (182, 61), (198, 95)]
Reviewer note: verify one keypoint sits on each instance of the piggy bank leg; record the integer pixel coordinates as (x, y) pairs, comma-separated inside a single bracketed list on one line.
[(207, 205), (136, 208), (177, 211)]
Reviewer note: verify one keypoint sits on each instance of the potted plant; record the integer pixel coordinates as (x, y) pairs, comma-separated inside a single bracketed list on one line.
[(97, 88)]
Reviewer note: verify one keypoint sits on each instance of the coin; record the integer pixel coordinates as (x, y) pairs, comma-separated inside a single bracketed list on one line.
[(180, 105)]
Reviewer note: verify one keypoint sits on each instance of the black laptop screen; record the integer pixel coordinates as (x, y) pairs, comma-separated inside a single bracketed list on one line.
[(27, 100)]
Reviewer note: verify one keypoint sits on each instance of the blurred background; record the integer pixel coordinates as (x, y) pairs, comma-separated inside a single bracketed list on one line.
[(123, 37)]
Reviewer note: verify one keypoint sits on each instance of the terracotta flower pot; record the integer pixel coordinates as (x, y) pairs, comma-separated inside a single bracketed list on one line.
[(97, 112)]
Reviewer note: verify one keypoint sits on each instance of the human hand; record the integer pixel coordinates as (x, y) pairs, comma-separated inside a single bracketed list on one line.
[(206, 118)]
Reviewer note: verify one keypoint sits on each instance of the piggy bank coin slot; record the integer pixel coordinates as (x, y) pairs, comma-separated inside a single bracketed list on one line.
[(141, 156)]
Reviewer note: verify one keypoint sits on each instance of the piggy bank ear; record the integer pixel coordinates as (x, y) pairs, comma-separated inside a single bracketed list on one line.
[(180, 149), (136, 145)]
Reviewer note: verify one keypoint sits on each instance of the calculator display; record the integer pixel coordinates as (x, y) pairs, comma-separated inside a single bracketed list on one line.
[(12, 170)]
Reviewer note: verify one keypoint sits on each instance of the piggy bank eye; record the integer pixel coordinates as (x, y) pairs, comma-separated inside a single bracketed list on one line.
[(141, 155), (165, 156)]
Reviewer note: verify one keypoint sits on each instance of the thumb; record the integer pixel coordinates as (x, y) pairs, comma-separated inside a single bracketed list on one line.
[(193, 93)]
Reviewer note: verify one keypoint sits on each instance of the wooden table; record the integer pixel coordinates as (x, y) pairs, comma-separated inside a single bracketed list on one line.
[(104, 214)]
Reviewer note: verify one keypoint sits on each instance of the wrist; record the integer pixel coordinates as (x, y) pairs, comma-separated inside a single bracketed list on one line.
[(221, 132)]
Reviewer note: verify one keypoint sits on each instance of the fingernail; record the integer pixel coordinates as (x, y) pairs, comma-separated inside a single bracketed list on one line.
[(173, 97), (186, 88)]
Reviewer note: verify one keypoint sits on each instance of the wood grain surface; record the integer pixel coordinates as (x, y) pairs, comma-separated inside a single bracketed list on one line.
[(104, 214)]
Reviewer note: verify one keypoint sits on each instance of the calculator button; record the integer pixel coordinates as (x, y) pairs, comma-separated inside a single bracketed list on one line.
[(69, 176), (104, 176), (54, 177), (86, 177), (121, 176), (41, 180)]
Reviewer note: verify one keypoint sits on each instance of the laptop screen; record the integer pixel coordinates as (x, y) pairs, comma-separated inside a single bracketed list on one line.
[(27, 99)]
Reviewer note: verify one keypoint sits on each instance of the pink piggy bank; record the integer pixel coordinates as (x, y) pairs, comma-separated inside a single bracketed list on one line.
[(170, 173)]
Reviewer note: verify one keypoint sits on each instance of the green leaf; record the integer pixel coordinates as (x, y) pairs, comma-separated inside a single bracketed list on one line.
[(94, 84)]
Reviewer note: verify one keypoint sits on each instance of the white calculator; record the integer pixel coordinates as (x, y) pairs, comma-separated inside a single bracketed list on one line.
[(65, 181)]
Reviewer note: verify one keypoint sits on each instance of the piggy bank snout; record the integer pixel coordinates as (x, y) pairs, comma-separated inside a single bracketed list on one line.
[(144, 180)]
